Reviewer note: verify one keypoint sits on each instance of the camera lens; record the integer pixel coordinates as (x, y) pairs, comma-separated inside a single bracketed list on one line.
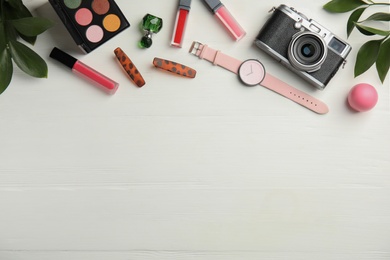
[(307, 51)]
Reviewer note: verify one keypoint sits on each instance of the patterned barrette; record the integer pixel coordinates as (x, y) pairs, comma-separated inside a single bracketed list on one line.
[(174, 67), (129, 67)]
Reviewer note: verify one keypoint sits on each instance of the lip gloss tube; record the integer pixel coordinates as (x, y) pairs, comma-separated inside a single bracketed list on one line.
[(181, 22), (106, 84), (222, 13)]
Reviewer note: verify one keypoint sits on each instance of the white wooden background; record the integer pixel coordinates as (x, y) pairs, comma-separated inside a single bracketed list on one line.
[(190, 169)]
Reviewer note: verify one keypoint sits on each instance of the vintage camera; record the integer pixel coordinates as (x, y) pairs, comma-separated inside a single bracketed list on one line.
[(303, 45)]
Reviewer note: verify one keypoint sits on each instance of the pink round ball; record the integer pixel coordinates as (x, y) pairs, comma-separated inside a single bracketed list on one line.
[(362, 97)]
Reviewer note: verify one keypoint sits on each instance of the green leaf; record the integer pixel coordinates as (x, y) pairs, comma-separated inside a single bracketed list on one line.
[(30, 39), (372, 31), (17, 13), (367, 56), (10, 32), (364, 31), (27, 60), (353, 18), (16, 9), (379, 17), (342, 6), (13, 13), (6, 69), (3, 37), (31, 26), (16, 4), (383, 61)]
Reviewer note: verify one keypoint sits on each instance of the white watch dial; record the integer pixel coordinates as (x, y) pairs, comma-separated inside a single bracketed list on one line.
[(251, 72)]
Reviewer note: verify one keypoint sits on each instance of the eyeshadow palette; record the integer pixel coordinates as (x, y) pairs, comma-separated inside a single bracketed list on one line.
[(90, 22)]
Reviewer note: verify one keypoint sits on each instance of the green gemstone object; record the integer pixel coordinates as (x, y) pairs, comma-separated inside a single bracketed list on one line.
[(150, 24)]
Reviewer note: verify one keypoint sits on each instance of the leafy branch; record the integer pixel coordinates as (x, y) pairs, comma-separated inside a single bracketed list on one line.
[(373, 51), (16, 22)]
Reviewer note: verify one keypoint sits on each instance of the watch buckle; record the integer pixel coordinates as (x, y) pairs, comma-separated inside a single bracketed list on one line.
[(195, 47)]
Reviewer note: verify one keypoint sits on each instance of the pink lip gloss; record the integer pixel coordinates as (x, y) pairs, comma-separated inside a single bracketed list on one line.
[(181, 22), (220, 11), (98, 79)]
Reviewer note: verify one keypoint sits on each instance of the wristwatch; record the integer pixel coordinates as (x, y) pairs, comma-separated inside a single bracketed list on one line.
[(252, 72)]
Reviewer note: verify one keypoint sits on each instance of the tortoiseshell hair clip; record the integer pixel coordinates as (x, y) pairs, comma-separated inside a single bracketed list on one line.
[(174, 67), (129, 67)]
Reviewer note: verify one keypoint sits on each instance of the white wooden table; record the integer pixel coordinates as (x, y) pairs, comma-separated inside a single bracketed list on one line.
[(190, 169)]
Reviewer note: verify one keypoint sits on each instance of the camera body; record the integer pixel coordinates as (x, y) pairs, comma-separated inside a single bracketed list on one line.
[(303, 45)]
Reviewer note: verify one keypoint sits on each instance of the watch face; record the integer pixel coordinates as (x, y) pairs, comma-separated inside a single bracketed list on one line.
[(251, 72)]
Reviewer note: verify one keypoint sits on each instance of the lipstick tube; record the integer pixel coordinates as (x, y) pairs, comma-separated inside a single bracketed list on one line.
[(226, 18), (181, 22), (106, 84)]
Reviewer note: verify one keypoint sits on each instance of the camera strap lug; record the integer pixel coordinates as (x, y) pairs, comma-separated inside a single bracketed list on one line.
[(272, 10), (344, 63)]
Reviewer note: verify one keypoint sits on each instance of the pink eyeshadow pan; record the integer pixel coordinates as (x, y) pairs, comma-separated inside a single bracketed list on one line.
[(94, 33), (83, 16)]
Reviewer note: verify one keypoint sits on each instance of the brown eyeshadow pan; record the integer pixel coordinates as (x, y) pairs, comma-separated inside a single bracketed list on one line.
[(101, 6)]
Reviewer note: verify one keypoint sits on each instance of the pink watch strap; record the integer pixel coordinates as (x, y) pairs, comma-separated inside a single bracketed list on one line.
[(270, 82), (300, 97), (203, 51)]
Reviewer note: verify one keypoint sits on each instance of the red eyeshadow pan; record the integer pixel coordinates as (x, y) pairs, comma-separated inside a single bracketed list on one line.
[(83, 16)]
